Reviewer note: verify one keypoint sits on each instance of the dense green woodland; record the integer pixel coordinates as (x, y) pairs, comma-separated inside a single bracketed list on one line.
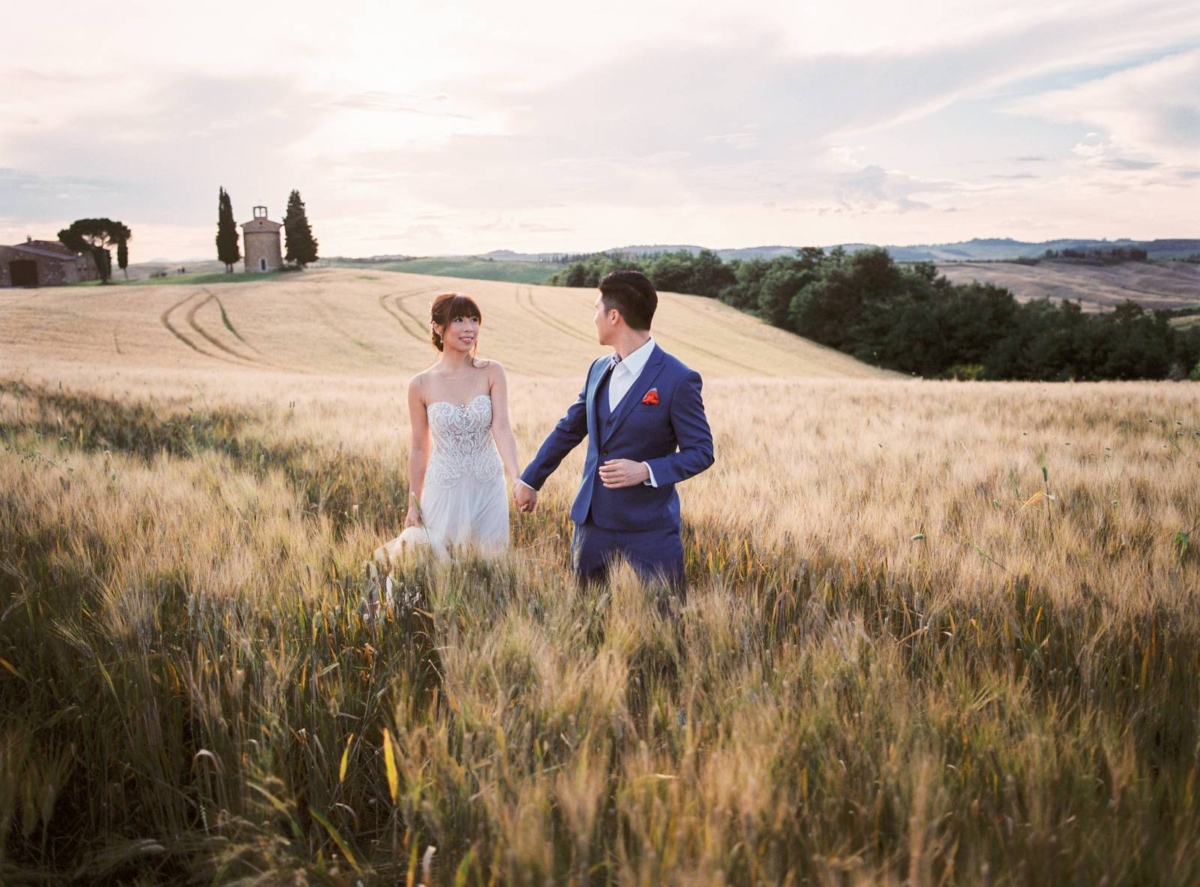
[(911, 319)]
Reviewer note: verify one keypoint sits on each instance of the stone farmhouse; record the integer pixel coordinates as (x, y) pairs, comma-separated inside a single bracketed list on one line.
[(260, 239), (44, 263)]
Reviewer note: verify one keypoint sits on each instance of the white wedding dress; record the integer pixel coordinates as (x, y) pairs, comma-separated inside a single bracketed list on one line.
[(465, 502)]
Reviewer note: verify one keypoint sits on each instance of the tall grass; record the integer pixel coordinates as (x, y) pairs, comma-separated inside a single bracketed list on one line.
[(935, 634)]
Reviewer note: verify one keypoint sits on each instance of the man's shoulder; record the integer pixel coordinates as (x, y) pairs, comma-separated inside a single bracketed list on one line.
[(674, 364)]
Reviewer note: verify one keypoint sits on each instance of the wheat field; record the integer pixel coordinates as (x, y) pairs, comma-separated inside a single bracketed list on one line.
[(936, 633)]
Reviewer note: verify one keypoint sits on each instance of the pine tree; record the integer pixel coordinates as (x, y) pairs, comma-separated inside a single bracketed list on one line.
[(227, 233), (301, 245), (97, 235)]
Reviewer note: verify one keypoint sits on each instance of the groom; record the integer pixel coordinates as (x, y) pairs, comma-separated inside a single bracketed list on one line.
[(643, 416)]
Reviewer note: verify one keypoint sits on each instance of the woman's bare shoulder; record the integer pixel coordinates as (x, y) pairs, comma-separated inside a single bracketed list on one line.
[(421, 380)]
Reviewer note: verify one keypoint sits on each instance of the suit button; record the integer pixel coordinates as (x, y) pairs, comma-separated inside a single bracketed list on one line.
[(604, 452)]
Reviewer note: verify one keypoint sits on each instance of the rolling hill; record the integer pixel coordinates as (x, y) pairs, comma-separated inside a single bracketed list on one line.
[(511, 270), (1098, 287), (341, 323), (1002, 248), (977, 249)]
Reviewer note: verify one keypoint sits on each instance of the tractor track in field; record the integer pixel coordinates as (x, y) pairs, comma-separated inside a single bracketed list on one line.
[(165, 320), (547, 318), (401, 315), (229, 325), (199, 340), (417, 321), (212, 340)]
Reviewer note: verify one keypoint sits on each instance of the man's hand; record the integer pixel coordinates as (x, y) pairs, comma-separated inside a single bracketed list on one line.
[(526, 497), (617, 473)]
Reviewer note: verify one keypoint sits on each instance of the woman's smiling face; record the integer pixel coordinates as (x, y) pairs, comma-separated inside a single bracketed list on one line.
[(461, 333)]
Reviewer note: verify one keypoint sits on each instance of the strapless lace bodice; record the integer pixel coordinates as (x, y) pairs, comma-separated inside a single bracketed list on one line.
[(462, 442)]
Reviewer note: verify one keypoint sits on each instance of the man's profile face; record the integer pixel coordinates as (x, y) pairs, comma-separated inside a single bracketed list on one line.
[(604, 324)]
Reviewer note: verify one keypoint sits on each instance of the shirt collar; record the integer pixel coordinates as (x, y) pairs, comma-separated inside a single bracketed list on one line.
[(636, 360)]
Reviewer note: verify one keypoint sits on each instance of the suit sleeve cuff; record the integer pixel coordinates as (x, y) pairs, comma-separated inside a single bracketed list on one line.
[(526, 485), (651, 482)]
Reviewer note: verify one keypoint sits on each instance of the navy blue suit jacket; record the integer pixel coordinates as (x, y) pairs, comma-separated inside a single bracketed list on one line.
[(672, 437)]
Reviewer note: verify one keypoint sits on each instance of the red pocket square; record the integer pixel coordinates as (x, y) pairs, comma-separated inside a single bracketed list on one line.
[(651, 398)]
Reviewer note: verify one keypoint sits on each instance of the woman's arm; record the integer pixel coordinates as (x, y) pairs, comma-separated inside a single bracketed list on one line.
[(418, 453), (502, 431)]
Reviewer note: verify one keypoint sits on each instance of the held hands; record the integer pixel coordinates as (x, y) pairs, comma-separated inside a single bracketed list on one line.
[(614, 474), (525, 496), (617, 473)]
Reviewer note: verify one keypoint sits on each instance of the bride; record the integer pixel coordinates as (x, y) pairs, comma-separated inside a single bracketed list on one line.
[(462, 440)]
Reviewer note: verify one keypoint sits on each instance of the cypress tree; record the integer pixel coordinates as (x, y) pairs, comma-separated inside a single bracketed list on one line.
[(227, 233), (301, 245), (124, 235)]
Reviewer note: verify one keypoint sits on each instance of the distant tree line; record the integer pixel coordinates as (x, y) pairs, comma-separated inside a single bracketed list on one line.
[(911, 319), (570, 258), (1113, 256)]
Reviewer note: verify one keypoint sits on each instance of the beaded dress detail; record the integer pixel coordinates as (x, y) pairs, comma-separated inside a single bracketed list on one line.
[(465, 501), (462, 443)]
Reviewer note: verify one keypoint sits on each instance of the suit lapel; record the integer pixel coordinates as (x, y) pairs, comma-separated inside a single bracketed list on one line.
[(634, 396), (594, 377)]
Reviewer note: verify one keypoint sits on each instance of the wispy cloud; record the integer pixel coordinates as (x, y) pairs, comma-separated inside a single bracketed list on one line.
[(1147, 114), (874, 189), (466, 127), (39, 197)]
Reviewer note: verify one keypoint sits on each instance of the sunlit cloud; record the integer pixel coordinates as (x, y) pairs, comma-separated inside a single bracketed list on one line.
[(419, 128), (1147, 115)]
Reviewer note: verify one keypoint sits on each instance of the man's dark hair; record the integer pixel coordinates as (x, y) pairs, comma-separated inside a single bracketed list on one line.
[(632, 294)]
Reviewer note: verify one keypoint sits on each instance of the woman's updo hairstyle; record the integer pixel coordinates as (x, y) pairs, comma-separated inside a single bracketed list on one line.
[(448, 306)]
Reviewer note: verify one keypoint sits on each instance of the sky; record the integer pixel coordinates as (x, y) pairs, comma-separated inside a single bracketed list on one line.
[(435, 129)]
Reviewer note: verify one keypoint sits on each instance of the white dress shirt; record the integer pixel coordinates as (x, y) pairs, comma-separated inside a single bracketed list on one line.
[(624, 376)]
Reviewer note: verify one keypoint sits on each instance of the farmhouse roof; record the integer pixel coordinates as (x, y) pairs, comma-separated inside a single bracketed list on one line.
[(46, 249), (53, 245)]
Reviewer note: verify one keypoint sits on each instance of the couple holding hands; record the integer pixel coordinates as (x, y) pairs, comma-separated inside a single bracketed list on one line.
[(640, 410)]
